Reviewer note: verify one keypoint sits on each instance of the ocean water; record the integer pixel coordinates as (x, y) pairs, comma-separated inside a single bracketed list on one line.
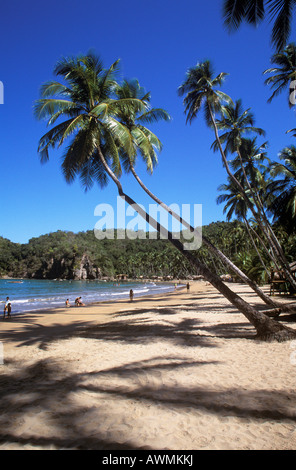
[(29, 295)]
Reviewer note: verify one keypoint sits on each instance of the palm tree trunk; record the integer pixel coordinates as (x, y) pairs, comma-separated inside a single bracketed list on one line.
[(268, 233), (256, 249), (264, 219), (266, 299), (270, 255), (267, 328)]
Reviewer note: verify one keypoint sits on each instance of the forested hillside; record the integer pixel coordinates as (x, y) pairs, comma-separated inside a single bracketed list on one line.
[(67, 255)]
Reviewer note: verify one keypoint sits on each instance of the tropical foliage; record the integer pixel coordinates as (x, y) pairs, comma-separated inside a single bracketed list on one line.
[(282, 191), (283, 76), (221, 113), (254, 11), (57, 254), (101, 120)]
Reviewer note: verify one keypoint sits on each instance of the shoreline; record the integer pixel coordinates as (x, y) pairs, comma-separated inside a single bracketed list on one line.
[(179, 370), (175, 285), (62, 314)]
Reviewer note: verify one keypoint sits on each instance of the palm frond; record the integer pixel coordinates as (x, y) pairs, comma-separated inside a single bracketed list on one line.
[(45, 108), (154, 115), (234, 12), (280, 11)]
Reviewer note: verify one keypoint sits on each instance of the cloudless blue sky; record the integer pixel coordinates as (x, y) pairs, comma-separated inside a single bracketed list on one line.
[(157, 41)]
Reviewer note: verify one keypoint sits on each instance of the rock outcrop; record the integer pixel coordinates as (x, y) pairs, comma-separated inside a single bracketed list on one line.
[(86, 270)]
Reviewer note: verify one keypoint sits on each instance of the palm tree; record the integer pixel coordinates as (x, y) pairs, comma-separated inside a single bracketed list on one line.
[(236, 122), (253, 12), (87, 103), (146, 143), (249, 167), (236, 206), (200, 89), (252, 157), (235, 203), (283, 190), (284, 75)]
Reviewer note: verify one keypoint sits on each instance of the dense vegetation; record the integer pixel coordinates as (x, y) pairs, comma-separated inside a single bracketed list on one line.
[(59, 254)]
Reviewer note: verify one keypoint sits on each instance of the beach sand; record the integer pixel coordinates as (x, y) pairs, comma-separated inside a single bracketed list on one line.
[(180, 371)]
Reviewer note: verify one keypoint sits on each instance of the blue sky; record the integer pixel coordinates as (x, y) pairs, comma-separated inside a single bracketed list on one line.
[(157, 41)]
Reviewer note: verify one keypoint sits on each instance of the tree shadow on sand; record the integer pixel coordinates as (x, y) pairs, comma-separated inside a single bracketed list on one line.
[(46, 394), (140, 325), (33, 333), (144, 330)]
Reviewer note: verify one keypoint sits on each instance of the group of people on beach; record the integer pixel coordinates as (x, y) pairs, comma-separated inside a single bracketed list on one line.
[(78, 302), (7, 308)]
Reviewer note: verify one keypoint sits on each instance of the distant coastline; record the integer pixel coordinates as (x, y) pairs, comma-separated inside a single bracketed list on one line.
[(33, 295)]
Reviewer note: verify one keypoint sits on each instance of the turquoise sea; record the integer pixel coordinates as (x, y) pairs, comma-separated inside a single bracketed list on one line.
[(27, 295)]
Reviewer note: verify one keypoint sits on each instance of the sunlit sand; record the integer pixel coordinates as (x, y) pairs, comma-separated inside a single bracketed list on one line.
[(174, 371)]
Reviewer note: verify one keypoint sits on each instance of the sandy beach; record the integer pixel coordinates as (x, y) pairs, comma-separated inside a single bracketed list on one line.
[(180, 371)]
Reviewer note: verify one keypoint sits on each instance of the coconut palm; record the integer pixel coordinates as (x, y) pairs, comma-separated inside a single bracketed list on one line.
[(236, 122), (284, 75), (236, 206), (200, 90), (146, 143), (200, 87), (249, 166), (283, 190), (254, 11), (87, 103), (252, 157)]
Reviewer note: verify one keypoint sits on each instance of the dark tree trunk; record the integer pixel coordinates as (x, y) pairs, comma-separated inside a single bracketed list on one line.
[(209, 245), (267, 328)]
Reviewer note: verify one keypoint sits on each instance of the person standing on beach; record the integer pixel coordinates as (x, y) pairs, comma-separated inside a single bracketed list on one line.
[(131, 295), (7, 308)]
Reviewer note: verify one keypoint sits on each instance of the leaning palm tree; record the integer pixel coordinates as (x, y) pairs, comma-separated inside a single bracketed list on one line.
[(87, 103), (250, 167), (236, 123), (283, 190), (146, 143), (254, 11), (236, 206), (283, 76), (200, 89)]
